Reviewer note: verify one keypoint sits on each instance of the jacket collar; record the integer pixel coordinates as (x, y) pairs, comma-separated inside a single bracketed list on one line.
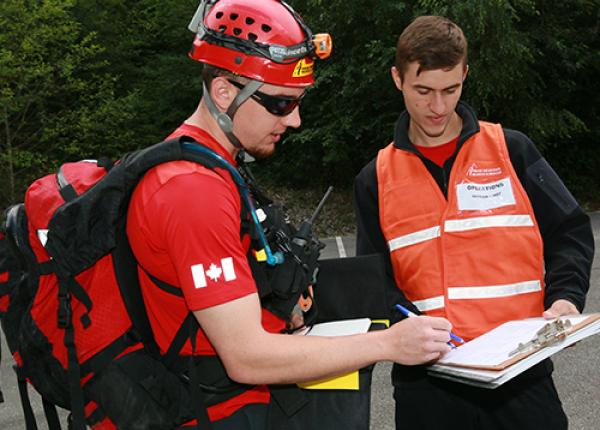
[(469, 128)]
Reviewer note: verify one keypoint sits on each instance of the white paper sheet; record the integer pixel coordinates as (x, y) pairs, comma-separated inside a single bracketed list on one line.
[(493, 348), (337, 328), (495, 378)]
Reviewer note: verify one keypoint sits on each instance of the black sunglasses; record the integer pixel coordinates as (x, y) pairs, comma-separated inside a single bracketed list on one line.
[(276, 105)]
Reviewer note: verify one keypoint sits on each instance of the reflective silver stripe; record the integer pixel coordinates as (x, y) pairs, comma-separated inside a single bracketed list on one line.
[(488, 221), (412, 238), (494, 291), (430, 304)]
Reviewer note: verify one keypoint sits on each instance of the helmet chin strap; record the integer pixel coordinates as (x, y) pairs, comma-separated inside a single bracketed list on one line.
[(225, 119)]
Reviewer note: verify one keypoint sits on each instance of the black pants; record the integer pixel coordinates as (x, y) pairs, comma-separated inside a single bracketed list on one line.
[(527, 402), (250, 417)]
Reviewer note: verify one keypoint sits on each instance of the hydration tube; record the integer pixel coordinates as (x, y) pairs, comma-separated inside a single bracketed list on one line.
[(272, 258)]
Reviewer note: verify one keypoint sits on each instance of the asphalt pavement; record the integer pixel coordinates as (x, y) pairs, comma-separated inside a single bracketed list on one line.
[(577, 369)]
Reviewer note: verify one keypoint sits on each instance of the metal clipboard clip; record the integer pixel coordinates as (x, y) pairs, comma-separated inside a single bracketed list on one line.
[(549, 334)]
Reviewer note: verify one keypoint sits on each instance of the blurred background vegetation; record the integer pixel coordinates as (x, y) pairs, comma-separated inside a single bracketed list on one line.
[(85, 78)]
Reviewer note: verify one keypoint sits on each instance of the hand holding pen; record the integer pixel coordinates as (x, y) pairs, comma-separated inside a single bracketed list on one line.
[(420, 340), (409, 314)]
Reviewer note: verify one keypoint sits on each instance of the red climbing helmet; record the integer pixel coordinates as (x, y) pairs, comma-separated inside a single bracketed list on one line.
[(264, 40)]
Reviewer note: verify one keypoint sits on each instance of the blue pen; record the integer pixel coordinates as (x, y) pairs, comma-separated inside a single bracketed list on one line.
[(408, 313)]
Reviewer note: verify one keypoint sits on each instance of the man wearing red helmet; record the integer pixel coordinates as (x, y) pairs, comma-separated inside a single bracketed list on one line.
[(184, 223)]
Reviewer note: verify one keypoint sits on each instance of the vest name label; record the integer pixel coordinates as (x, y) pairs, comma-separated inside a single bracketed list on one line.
[(472, 196)]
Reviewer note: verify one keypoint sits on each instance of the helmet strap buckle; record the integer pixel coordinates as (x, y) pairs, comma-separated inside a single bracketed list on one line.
[(225, 119)]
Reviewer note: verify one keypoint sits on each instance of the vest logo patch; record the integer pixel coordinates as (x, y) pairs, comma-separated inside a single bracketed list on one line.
[(303, 68), (473, 196), (475, 171), (214, 272)]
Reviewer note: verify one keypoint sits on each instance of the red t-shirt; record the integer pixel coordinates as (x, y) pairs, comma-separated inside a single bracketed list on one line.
[(439, 154), (184, 228)]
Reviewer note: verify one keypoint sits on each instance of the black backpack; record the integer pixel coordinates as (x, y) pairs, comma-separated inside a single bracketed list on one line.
[(55, 252)]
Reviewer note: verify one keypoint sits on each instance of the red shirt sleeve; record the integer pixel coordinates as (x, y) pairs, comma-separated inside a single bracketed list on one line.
[(197, 220)]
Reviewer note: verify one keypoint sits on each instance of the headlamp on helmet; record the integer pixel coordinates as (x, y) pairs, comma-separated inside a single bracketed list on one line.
[(264, 40)]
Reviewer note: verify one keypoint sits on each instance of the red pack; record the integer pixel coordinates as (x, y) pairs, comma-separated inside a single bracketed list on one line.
[(71, 306), (69, 288)]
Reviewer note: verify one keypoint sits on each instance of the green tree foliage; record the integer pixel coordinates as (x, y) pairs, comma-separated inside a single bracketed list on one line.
[(56, 103), (533, 66), (566, 45), (531, 62), (147, 43), (351, 111), (83, 78)]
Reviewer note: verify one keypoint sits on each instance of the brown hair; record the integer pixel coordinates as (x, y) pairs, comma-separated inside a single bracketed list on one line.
[(209, 73), (434, 42)]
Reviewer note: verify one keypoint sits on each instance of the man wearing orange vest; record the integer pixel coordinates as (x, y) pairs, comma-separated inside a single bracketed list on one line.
[(476, 227)]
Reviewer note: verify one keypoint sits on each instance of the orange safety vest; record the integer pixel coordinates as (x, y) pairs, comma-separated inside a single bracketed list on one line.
[(475, 258)]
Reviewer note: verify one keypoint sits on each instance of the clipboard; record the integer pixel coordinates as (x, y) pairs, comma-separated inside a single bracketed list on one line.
[(499, 355), (346, 381), (350, 297)]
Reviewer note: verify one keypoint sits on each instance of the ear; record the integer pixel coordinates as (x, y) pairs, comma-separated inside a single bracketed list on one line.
[(396, 77), (466, 72), (222, 92)]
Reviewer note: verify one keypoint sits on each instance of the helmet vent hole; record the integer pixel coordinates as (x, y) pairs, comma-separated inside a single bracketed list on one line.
[(219, 15), (233, 16), (266, 28), (249, 21), (253, 37), (222, 28), (237, 31)]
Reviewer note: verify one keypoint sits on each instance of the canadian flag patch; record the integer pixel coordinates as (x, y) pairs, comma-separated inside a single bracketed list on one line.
[(213, 272)]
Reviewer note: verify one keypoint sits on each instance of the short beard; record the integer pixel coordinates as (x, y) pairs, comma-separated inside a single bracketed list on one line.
[(261, 153)]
